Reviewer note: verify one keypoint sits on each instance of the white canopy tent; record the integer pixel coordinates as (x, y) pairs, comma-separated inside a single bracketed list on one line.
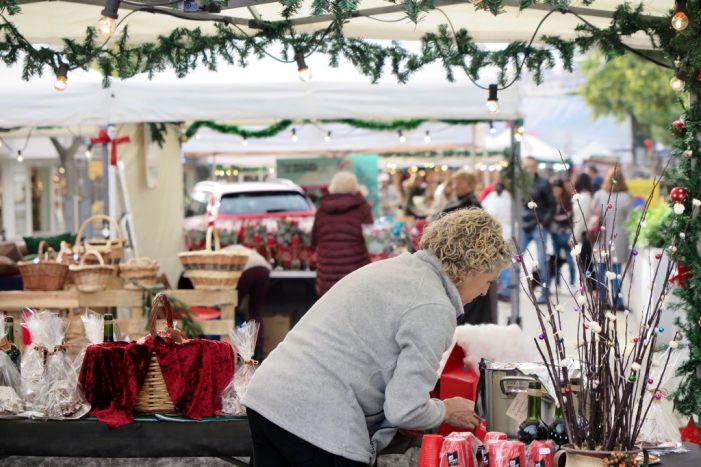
[(593, 149), (531, 146)]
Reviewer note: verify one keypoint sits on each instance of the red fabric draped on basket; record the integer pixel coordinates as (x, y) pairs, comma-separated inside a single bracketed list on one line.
[(195, 372)]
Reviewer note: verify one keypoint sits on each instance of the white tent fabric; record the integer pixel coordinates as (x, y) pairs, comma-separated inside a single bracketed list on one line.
[(594, 148), (531, 146)]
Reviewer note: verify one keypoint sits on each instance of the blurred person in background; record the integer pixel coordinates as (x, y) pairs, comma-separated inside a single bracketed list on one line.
[(614, 193), (561, 230), (498, 204), (542, 194), (581, 213), (443, 195), (596, 179), (337, 232), (413, 188), (389, 196), (464, 184)]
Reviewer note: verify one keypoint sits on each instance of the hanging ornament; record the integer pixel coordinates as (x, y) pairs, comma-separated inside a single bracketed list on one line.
[(683, 274), (678, 125), (678, 194), (688, 153), (104, 138), (699, 323), (698, 74)]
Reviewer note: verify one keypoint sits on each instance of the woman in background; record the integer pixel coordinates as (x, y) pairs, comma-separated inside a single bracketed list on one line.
[(581, 213), (561, 229), (338, 233)]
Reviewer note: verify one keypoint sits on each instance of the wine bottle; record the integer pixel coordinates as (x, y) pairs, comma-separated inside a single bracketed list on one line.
[(12, 350), (533, 427), (558, 430), (108, 329)]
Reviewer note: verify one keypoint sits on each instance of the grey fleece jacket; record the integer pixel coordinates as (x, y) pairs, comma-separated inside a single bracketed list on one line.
[(361, 362)]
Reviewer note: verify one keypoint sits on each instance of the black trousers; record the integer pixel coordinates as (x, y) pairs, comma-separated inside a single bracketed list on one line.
[(275, 447)]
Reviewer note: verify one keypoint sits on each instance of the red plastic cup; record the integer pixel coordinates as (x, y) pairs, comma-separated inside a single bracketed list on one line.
[(457, 451), (540, 454), (495, 436), (430, 455), (506, 453)]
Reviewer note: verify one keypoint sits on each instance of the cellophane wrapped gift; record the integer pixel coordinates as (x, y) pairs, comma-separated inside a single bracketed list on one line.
[(506, 453), (243, 340), (458, 450), (94, 333), (10, 381), (661, 426), (49, 381), (540, 453)]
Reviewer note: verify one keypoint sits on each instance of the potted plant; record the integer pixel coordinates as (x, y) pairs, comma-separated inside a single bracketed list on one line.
[(620, 374)]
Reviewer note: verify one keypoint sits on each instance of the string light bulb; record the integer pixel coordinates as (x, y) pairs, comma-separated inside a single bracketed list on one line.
[(61, 82), (492, 100), (492, 130), (295, 138), (680, 20), (20, 158), (244, 141), (678, 81), (427, 137), (108, 23), (88, 152), (305, 74), (327, 138), (402, 138)]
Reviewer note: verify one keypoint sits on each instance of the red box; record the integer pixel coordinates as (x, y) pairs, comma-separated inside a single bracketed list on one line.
[(456, 380)]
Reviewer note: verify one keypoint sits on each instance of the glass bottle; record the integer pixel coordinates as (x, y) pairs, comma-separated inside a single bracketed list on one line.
[(12, 350), (558, 430), (533, 427), (108, 329)]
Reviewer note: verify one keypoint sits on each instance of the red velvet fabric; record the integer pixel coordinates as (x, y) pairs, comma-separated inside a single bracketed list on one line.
[(195, 372)]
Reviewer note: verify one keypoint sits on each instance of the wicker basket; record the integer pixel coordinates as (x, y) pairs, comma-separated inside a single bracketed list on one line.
[(91, 278), (111, 249), (43, 274), (210, 270), (139, 272), (153, 397)]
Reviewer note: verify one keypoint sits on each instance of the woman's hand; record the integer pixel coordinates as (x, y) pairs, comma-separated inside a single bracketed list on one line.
[(459, 412)]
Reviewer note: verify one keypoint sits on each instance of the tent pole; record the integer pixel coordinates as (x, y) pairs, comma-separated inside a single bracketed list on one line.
[(515, 162)]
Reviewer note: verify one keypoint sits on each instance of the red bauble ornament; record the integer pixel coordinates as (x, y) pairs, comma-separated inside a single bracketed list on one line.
[(678, 125), (678, 194), (698, 74), (635, 340), (658, 255), (609, 206)]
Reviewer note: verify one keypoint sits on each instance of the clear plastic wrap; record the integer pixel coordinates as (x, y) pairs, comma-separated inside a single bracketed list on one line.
[(506, 454), (94, 333), (10, 381), (243, 339), (661, 425), (540, 454), (49, 381)]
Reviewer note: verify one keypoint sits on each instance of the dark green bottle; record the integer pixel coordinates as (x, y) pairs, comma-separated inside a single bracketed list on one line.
[(109, 329), (12, 352), (533, 427), (558, 430)]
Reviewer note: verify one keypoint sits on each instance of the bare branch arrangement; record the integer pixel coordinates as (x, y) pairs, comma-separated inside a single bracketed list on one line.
[(619, 382)]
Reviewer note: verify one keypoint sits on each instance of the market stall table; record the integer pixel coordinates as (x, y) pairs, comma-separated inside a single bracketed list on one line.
[(148, 437)]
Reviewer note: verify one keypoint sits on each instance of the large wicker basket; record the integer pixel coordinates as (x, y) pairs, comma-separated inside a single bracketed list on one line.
[(210, 270), (43, 274), (110, 249), (153, 397), (91, 278), (139, 272)]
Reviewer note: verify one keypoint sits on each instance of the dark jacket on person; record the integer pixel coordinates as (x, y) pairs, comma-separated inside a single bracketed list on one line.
[(467, 201), (542, 194), (338, 237)]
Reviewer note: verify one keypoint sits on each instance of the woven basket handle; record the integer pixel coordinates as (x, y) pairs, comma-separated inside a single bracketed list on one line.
[(94, 253), (159, 303), (212, 232), (41, 254), (86, 223)]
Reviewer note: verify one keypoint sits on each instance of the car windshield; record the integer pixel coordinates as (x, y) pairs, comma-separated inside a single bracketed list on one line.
[(259, 202)]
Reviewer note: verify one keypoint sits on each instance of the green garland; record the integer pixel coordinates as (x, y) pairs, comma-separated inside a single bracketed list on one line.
[(268, 132)]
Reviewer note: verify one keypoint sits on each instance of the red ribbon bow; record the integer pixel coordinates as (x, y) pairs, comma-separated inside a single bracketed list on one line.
[(104, 138)]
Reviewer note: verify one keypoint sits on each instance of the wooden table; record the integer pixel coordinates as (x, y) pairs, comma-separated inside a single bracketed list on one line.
[(135, 326)]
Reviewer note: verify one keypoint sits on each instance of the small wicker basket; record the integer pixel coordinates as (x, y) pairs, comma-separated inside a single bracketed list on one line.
[(139, 272), (43, 274), (153, 397), (92, 278), (211, 270), (111, 249)]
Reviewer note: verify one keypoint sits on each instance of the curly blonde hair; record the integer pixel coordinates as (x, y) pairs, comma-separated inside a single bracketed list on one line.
[(467, 241)]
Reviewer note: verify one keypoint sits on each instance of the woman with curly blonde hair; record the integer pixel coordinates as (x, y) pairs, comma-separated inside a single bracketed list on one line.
[(361, 362)]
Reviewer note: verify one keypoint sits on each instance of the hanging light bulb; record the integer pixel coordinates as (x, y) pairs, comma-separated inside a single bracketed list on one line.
[(402, 138), (244, 141), (20, 158), (88, 152), (678, 81), (61, 82), (492, 101), (427, 137), (108, 23), (680, 20), (198, 136), (305, 74), (327, 138), (295, 138), (492, 130)]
